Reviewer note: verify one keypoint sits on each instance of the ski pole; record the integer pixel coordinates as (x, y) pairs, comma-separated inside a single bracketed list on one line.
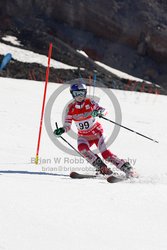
[(94, 83), (68, 142), (129, 129)]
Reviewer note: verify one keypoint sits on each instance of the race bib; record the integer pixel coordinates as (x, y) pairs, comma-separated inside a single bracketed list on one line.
[(85, 124)]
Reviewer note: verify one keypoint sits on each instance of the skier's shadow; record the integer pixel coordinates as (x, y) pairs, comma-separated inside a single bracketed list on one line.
[(30, 173)]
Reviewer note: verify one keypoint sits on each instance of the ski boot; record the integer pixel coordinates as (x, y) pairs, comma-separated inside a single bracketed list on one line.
[(128, 170), (101, 167)]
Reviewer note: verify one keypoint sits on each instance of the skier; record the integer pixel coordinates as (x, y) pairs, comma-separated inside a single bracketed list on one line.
[(83, 111)]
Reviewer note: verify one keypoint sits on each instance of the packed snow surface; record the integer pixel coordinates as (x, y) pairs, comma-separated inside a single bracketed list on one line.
[(42, 208)]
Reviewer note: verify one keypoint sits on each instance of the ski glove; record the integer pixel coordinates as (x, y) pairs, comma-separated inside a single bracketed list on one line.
[(98, 113), (59, 131)]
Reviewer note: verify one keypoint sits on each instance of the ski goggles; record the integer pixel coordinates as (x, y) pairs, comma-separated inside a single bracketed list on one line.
[(76, 93)]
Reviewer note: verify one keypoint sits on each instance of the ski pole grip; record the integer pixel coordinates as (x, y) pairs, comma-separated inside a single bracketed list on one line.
[(56, 125)]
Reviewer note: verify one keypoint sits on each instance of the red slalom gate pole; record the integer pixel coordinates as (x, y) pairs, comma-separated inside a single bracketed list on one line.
[(43, 104)]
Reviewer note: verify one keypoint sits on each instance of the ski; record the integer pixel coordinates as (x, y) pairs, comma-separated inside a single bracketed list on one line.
[(75, 175), (113, 179), (110, 179)]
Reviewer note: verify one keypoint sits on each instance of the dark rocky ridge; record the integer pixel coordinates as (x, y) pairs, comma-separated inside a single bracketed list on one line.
[(129, 36)]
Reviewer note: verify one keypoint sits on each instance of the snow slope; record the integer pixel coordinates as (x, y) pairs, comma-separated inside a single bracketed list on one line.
[(42, 208)]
